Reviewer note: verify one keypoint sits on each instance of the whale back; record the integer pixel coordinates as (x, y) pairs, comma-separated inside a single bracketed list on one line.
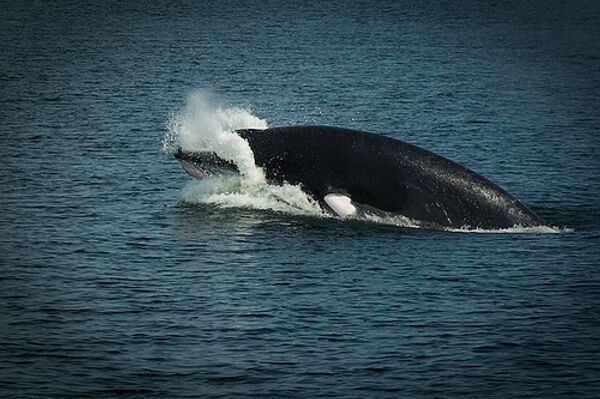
[(385, 173)]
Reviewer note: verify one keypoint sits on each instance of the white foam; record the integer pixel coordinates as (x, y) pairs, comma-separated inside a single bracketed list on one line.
[(515, 230), (403, 221), (206, 125), (233, 192)]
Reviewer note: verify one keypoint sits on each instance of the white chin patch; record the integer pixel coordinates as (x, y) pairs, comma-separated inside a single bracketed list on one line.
[(340, 204)]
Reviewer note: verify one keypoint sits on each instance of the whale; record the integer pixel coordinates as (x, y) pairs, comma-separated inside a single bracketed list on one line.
[(354, 173)]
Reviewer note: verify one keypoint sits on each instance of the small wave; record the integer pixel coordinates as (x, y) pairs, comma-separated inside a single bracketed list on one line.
[(235, 192), (405, 222), (515, 230)]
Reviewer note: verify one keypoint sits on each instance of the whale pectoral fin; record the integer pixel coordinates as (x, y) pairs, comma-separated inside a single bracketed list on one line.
[(340, 204)]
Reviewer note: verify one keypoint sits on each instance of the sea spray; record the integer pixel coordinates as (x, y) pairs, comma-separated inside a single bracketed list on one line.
[(204, 124)]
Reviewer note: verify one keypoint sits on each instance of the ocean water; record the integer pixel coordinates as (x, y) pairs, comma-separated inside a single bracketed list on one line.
[(122, 277)]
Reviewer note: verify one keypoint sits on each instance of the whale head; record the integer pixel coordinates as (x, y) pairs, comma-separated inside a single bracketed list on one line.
[(204, 164)]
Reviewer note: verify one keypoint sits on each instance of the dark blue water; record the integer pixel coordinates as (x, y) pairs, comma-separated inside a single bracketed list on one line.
[(115, 284)]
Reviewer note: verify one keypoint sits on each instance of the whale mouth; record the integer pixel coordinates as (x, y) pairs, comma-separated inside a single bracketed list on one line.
[(201, 165)]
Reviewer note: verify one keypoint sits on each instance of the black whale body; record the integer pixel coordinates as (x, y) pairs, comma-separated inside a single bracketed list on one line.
[(354, 172), (386, 174)]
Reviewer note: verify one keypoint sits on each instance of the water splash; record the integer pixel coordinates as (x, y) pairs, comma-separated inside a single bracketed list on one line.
[(206, 125), (232, 192)]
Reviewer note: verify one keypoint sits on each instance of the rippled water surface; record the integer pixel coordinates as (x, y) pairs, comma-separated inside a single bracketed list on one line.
[(120, 278)]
